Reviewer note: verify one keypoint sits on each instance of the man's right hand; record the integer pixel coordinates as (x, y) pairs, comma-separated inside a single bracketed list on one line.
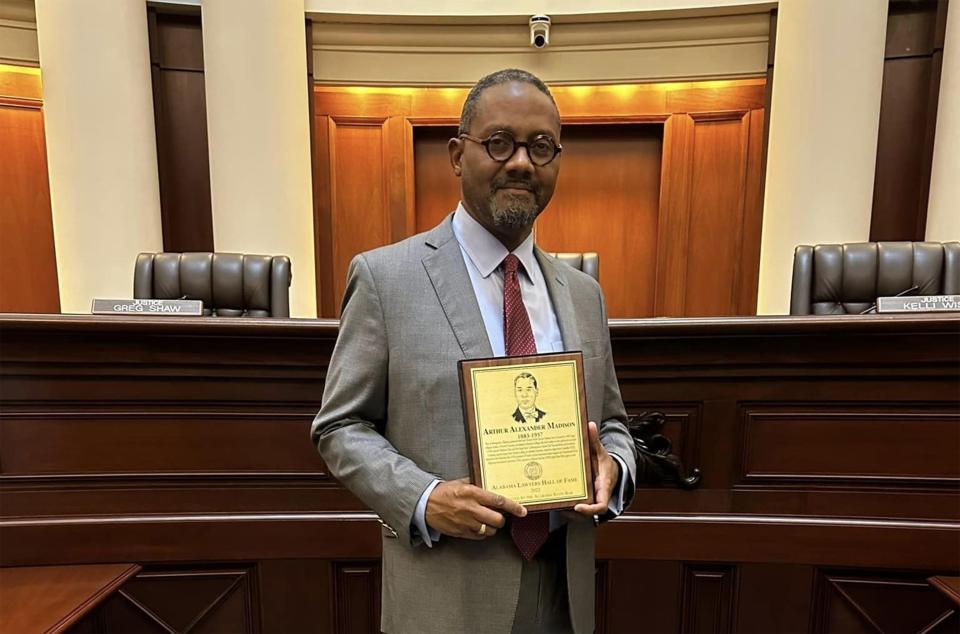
[(460, 509)]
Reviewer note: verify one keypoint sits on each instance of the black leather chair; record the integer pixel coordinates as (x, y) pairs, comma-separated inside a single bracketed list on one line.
[(229, 284), (588, 262), (837, 279)]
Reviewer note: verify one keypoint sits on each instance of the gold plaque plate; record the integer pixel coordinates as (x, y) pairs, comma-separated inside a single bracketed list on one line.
[(526, 425)]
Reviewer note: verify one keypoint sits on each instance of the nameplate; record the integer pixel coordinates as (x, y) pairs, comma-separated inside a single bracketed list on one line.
[(919, 304), (188, 307)]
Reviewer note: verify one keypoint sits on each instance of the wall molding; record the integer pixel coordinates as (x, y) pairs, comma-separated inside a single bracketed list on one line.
[(585, 49), (18, 33)]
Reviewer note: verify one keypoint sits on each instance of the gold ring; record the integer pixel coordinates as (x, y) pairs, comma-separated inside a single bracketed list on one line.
[(483, 530)]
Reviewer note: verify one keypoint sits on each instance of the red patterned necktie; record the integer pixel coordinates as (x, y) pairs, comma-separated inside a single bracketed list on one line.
[(529, 533)]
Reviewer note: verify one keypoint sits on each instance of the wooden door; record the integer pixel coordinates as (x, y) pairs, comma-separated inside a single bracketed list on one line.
[(607, 200)]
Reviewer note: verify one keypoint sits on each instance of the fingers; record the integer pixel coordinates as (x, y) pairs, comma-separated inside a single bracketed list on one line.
[(496, 501), (460, 509), (590, 509), (478, 533), (482, 523), (594, 434), (485, 531), (487, 516), (601, 500), (601, 462), (596, 447)]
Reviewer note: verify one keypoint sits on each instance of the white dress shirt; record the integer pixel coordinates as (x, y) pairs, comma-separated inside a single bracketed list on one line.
[(482, 254)]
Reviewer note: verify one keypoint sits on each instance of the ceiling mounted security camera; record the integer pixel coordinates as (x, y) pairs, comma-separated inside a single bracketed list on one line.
[(539, 31)]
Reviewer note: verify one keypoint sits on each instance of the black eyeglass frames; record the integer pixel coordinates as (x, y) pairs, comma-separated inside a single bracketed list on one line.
[(500, 146)]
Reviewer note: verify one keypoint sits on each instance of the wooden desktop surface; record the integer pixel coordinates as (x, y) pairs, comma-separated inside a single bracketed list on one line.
[(51, 599), (949, 586), (828, 448)]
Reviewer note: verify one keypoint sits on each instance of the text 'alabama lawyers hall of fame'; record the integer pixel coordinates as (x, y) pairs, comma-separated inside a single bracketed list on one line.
[(526, 425)]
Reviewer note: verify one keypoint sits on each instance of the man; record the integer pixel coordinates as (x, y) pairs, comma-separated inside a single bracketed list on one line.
[(457, 558), (526, 391)]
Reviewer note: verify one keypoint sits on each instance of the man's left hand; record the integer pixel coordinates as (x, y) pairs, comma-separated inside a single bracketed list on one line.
[(606, 473)]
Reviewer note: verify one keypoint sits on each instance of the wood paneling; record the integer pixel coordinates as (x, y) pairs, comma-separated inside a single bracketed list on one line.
[(437, 187), (674, 224), (602, 599), (289, 591), (908, 118), (323, 215), (92, 440), (28, 263), (716, 213), (748, 273), (773, 598), (357, 592), (868, 445), (859, 601), (360, 217), (185, 599), (650, 588), (708, 598), (263, 540), (710, 217), (180, 113), (640, 179), (607, 200)]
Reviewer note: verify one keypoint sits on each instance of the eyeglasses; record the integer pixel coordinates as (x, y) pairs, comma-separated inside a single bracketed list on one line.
[(501, 145)]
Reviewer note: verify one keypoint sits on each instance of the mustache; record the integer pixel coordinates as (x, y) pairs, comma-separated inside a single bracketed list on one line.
[(515, 183)]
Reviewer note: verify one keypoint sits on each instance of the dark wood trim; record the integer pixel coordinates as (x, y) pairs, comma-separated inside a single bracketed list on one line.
[(911, 545), (621, 329), (323, 156), (215, 537), (720, 115), (358, 120), (186, 207), (21, 102), (908, 113)]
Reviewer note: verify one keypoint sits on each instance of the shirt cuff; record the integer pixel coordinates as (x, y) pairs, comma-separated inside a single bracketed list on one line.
[(420, 528), (615, 506)]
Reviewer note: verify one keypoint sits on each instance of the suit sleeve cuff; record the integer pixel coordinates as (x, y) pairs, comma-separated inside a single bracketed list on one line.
[(420, 528), (617, 500)]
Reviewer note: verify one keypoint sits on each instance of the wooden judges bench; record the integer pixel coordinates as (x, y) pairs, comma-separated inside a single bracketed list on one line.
[(829, 448)]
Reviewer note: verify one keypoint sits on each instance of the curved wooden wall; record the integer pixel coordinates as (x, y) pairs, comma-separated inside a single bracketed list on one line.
[(827, 446)]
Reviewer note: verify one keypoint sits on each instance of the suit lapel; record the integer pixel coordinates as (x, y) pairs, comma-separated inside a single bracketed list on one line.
[(562, 301), (451, 281)]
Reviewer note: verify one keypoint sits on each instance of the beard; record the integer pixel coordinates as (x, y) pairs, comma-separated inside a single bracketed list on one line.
[(514, 210)]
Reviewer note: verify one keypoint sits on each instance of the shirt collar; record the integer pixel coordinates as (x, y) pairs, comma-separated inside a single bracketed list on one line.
[(484, 249)]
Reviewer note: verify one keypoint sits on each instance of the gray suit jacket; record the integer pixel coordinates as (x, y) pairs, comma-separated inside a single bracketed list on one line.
[(392, 421)]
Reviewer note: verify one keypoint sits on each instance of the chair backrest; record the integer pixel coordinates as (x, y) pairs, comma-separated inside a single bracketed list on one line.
[(229, 284), (588, 262), (836, 279)]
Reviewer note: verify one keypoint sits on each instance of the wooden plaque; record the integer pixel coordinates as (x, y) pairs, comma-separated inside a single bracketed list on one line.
[(526, 426)]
